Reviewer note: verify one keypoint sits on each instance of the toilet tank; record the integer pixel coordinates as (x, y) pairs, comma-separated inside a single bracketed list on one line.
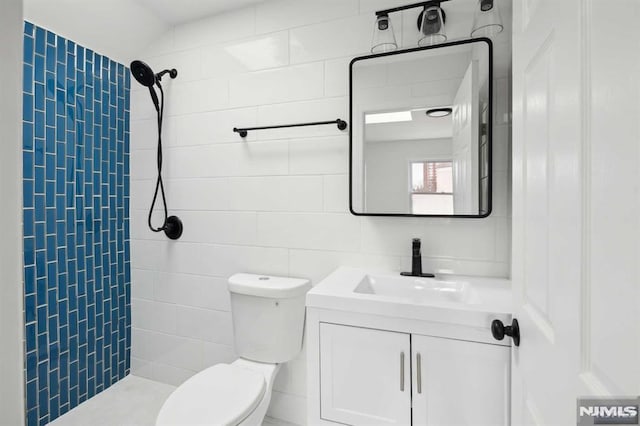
[(268, 316)]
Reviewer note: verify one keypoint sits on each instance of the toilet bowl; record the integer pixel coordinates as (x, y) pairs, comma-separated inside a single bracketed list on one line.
[(225, 394), (268, 322)]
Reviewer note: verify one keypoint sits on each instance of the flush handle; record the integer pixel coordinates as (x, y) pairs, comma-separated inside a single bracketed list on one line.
[(401, 371), (499, 330)]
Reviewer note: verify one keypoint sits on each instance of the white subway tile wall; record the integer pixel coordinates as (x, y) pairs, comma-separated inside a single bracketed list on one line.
[(276, 202)]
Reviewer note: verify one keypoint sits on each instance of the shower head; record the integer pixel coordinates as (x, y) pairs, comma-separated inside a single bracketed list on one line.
[(143, 73), (145, 76)]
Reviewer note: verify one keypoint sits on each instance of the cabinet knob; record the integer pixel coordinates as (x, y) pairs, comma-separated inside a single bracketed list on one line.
[(498, 330)]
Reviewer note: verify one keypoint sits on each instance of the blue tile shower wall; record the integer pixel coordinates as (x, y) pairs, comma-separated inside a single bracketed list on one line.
[(76, 223)]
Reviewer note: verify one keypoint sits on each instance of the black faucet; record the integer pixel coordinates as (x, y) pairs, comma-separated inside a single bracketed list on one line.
[(416, 262)]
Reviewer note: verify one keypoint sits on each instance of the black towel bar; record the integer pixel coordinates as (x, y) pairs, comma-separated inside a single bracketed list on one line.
[(342, 125)]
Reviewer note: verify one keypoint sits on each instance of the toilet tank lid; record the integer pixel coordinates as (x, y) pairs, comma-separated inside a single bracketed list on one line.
[(268, 286)]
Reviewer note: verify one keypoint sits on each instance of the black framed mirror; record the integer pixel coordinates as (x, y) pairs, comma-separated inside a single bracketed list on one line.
[(421, 131)]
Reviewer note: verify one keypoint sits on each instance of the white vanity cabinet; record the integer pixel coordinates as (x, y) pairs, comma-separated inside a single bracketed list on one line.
[(457, 382), (365, 376), (378, 377), (383, 349)]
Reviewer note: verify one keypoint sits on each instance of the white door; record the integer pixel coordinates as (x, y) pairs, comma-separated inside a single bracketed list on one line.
[(465, 122), (460, 383), (576, 203), (364, 376)]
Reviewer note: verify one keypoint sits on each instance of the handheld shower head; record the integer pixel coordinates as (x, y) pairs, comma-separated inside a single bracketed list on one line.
[(143, 73), (145, 76), (172, 225)]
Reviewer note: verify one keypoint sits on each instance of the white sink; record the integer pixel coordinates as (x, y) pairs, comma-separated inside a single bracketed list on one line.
[(457, 299), (417, 289)]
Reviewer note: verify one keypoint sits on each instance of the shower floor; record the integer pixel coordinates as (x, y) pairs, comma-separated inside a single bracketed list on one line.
[(133, 401)]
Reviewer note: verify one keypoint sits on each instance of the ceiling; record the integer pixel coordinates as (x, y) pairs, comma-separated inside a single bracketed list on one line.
[(175, 12), (120, 29), (420, 127)]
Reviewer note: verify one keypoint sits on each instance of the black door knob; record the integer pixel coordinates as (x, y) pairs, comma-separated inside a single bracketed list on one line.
[(499, 331)]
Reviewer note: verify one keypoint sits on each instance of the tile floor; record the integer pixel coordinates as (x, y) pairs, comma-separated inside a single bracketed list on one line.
[(133, 401)]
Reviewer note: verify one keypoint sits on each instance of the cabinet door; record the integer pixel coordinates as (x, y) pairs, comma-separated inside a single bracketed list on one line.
[(460, 383), (364, 376)]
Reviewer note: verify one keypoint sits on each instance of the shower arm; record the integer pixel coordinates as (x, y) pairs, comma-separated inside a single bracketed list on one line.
[(173, 73)]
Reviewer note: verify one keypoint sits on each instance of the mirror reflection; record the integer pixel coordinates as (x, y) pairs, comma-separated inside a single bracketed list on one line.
[(421, 134)]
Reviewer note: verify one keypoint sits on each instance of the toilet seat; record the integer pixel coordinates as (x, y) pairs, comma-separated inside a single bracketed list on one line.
[(220, 395)]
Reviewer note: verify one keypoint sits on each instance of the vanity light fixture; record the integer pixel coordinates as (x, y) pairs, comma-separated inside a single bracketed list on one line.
[(439, 112), (486, 19), (430, 24), (384, 40)]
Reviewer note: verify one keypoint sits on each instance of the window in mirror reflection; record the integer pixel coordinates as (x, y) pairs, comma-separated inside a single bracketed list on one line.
[(431, 189)]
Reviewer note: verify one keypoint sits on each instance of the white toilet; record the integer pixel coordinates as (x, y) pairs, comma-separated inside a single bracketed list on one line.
[(268, 322)]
